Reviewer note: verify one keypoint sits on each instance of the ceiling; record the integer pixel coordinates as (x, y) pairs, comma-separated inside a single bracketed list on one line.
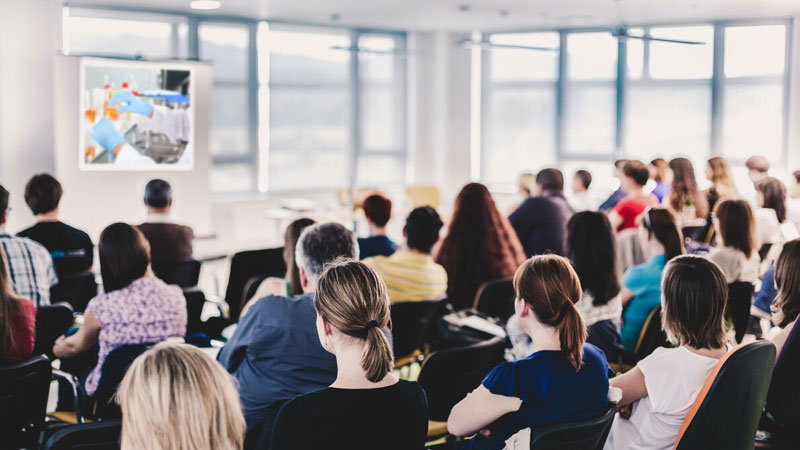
[(463, 15)]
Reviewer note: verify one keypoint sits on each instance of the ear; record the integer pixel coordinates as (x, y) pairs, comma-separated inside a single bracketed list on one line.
[(326, 327), (405, 235), (525, 308), (303, 278)]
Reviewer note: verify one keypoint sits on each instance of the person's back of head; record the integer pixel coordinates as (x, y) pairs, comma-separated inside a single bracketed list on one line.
[(658, 168), (549, 286), (582, 181), (4, 195), (591, 248), (637, 172), (43, 193), (9, 304), (773, 196), (526, 184), (660, 224), (758, 166), (352, 298), (320, 244), (694, 293), (290, 238), (619, 165), (684, 187), (796, 176), (378, 209), (736, 225), (158, 194), (174, 396), (550, 181), (124, 255), (786, 306), (422, 229)]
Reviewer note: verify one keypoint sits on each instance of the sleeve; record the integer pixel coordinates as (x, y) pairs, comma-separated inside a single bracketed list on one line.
[(767, 293), (127, 155), (633, 280), (517, 219), (624, 210), (29, 336), (502, 380), (659, 378), (247, 330)]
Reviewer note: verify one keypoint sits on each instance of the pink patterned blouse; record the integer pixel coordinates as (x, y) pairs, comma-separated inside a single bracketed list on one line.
[(145, 311)]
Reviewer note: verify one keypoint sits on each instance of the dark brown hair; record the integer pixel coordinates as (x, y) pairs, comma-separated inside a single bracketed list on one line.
[(774, 193), (549, 284), (10, 303), (378, 209), (42, 193), (351, 297), (684, 188), (585, 176), (637, 171), (124, 255), (659, 166), (737, 226), (290, 238), (694, 293), (661, 223), (591, 247), (480, 245), (551, 180), (786, 306)]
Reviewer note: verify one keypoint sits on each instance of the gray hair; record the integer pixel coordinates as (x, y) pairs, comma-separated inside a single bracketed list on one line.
[(322, 243)]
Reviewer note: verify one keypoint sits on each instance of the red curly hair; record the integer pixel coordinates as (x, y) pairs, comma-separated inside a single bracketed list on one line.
[(480, 245)]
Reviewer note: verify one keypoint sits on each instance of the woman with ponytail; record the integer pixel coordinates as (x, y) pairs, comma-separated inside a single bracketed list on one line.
[(565, 379), (661, 241), (366, 407)]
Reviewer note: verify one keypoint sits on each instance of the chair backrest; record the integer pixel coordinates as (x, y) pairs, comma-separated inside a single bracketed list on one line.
[(652, 335), (589, 434), (783, 397), (248, 264), (449, 375), (195, 300), (411, 322), (727, 410), (182, 273), (496, 298), (113, 371), (51, 322), (23, 400), (251, 287), (103, 435), (740, 296), (76, 290)]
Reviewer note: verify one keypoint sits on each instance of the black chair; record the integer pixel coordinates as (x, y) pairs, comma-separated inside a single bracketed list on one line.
[(195, 300), (587, 434), (740, 298), (781, 411), (496, 299), (411, 324), (248, 264), (51, 322), (76, 290), (86, 436), (23, 400), (763, 251), (251, 287), (182, 273), (726, 412), (651, 337)]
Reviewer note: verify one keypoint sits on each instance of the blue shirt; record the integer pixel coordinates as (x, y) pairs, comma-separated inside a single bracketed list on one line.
[(275, 355), (766, 295), (661, 190), (644, 281), (375, 246), (612, 201), (551, 391)]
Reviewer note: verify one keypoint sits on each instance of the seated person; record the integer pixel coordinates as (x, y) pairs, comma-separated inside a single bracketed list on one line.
[(787, 302), (766, 295), (661, 173), (168, 240), (210, 414), (71, 249), (658, 392), (581, 199), (737, 254), (620, 193), (564, 379), (29, 263), (352, 306), (378, 210), (136, 308), (661, 241), (17, 319), (275, 353), (410, 273), (541, 221), (625, 213), (771, 210)]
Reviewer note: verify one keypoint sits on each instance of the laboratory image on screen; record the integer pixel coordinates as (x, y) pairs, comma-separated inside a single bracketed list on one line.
[(136, 115)]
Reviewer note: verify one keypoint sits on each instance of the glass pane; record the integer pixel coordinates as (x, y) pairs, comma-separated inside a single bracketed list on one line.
[(229, 121), (510, 64), (380, 118), (667, 120), (226, 46), (590, 117), (380, 170), (681, 61), (635, 54), (752, 121), (755, 51), (307, 58), (109, 36), (307, 169), (376, 59), (296, 125), (519, 133), (592, 56), (232, 178)]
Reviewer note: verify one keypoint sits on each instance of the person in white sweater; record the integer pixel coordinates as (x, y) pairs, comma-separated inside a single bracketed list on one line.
[(737, 251)]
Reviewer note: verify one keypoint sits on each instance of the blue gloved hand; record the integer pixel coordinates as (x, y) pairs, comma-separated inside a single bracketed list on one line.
[(131, 104), (107, 135)]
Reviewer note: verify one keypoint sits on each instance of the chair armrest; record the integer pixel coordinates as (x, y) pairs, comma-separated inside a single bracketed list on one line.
[(223, 306), (72, 381)]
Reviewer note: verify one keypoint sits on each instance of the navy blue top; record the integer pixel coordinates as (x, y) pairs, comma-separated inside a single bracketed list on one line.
[(541, 224), (766, 295), (612, 201), (551, 391), (375, 246)]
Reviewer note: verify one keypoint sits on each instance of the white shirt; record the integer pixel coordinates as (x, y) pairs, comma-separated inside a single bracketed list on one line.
[(158, 218), (674, 377), (735, 265), (767, 226), (582, 201), (592, 314)]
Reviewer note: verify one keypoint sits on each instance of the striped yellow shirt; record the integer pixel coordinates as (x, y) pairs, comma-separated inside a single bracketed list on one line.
[(410, 276)]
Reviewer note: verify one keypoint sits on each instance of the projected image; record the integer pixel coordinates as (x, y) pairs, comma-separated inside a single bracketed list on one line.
[(136, 116)]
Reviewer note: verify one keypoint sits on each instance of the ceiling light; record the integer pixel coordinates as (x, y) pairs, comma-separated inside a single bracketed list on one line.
[(205, 4)]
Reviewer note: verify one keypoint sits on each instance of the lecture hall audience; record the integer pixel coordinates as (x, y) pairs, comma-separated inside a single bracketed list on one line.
[(169, 242), (541, 221), (17, 319), (687, 203), (410, 273), (626, 212), (378, 211), (480, 246), (352, 306)]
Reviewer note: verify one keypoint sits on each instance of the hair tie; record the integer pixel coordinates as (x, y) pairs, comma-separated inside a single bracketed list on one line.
[(371, 324)]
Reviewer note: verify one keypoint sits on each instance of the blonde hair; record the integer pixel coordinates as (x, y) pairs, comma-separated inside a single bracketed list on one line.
[(351, 297), (175, 397), (721, 177)]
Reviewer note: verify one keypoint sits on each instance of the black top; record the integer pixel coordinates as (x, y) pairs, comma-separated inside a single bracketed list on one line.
[(71, 249), (388, 418), (541, 224)]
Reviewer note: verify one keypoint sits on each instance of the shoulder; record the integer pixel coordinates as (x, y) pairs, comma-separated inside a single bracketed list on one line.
[(27, 232), (661, 358)]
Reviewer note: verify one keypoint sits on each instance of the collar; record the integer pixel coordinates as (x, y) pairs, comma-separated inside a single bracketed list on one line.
[(158, 218)]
